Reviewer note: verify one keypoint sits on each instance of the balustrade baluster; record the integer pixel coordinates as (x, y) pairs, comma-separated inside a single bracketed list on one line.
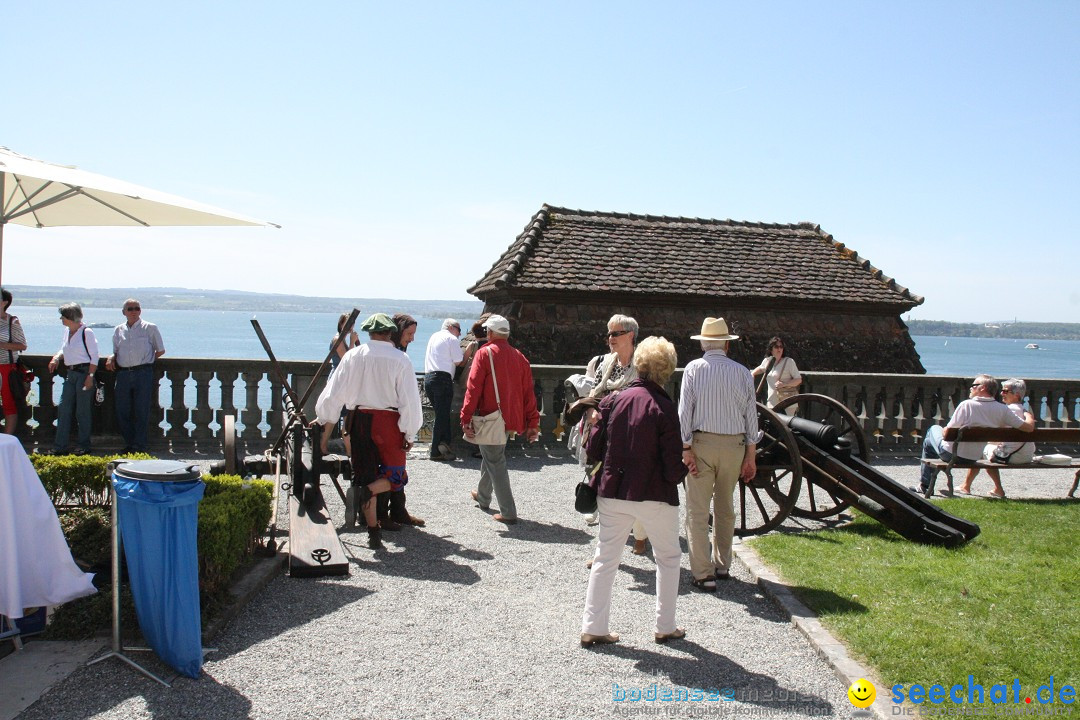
[(202, 414), (178, 412), (549, 415), (252, 414)]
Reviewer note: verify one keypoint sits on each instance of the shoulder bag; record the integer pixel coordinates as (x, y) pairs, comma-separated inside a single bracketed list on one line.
[(489, 429), (785, 393)]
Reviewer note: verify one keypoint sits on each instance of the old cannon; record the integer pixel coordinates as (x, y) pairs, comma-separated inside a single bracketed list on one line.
[(816, 465)]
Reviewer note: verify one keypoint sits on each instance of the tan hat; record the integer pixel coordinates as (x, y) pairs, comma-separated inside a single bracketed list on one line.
[(714, 329)]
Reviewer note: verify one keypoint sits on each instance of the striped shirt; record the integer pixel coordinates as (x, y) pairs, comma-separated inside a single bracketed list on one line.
[(717, 396)]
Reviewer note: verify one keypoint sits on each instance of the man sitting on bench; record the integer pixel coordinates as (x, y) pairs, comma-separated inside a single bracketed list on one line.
[(1013, 392), (981, 409)]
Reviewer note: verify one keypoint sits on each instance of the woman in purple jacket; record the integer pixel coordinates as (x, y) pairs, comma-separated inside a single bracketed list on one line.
[(638, 440)]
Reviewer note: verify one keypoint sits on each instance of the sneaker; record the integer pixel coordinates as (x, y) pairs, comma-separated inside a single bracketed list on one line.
[(447, 453)]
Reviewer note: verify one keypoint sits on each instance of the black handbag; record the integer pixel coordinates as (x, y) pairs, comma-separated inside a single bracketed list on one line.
[(585, 492)]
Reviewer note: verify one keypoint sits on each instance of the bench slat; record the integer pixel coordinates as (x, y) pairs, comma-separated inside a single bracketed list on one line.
[(981, 434)]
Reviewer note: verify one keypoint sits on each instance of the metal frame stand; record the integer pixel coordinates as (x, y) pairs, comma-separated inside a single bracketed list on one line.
[(118, 647), (12, 633)]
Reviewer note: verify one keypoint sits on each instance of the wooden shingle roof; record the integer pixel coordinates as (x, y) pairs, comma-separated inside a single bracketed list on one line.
[(583, 251)]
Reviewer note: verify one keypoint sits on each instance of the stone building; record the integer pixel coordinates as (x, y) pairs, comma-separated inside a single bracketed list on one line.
[(570, 270)]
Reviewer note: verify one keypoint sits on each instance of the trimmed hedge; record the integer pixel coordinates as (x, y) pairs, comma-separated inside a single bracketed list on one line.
[(233, 515), (78, 479)]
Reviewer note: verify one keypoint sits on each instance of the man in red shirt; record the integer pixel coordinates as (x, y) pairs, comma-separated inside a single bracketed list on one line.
[(515, 397)]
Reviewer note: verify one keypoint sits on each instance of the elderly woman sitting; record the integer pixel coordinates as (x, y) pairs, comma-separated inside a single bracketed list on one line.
[(637, 438), (1013, 392)]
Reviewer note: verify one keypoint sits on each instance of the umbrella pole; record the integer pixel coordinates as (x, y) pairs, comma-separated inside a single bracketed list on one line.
[(3, 221)]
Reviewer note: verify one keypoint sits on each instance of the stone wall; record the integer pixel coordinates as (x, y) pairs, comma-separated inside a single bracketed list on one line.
[(572, 333)]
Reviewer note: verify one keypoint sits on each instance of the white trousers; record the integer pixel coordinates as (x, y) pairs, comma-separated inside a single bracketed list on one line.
[(661, 522)]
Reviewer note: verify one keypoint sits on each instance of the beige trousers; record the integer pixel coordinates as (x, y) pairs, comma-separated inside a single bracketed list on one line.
[(719, 460)]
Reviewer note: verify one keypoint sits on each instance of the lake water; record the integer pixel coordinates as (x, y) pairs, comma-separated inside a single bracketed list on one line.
[(306, 336)]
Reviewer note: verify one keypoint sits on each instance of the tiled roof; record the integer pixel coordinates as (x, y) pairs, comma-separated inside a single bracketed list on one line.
[(583, 251)]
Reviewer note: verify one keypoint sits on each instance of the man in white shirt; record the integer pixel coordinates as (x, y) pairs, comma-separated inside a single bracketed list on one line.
[(443, 354), (981, 409), (375, 381), (718, 420)]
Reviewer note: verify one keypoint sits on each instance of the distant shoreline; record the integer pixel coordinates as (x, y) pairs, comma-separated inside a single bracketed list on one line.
[(1008, 331), (186, 299)]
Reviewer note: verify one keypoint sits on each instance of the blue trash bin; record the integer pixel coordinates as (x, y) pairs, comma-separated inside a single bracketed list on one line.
[(158, 513)]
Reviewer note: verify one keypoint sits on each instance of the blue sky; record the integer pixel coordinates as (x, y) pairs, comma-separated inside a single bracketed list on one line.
[(402, 146)]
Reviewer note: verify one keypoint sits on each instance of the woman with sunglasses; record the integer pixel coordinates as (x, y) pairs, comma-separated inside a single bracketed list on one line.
[(782, 374), (1013, 391), (611, 374)]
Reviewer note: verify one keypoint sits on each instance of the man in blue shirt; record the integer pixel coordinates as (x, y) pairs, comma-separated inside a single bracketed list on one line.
[(136, 345)]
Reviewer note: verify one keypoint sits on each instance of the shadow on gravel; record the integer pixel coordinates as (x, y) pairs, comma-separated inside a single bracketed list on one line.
[(304, 602), (734, 590), (114, 683), (709, 671), (427, 557), (533, 531)]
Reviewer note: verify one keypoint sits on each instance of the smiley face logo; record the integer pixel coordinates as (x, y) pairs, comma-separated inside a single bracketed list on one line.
[(861, 693)]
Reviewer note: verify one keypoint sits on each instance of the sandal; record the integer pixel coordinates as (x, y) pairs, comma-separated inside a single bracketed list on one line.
[(662, 638), (996, 496), (706, 584)]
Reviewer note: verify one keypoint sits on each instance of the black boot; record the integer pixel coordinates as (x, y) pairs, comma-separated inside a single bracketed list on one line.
[(374, 538)]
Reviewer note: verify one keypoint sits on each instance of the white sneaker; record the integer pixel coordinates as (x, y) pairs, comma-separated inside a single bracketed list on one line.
[(593, 519)]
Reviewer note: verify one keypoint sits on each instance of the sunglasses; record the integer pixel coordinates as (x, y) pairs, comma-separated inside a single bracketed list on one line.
[(136, 308), (617, 333)]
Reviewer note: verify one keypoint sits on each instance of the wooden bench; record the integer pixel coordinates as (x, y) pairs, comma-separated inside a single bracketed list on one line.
[(1040, 436)]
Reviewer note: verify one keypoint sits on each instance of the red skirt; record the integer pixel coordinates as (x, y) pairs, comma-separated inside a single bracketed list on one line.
[(378, 444)]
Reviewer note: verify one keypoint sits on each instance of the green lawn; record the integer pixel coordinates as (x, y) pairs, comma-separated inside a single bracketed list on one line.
[(1006, 605)]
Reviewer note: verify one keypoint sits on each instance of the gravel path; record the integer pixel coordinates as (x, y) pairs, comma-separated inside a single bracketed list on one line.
[(471, 618)]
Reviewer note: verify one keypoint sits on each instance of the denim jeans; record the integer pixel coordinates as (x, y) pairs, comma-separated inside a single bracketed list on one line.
[(78, 403), (932, 449), (439, 387), (134, 393)]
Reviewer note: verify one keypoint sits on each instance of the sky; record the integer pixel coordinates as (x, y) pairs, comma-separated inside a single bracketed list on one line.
[(403, 146)]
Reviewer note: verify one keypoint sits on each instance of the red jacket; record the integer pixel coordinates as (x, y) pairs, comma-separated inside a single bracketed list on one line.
[(516, 389)]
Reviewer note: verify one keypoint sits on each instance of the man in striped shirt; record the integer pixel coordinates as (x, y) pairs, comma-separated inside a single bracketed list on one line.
[(718, 419)]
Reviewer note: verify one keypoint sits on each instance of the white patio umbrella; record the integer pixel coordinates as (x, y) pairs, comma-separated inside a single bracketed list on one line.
[(41, 194)]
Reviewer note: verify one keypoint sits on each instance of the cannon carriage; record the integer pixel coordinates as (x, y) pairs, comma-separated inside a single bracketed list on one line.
[(816, 464)]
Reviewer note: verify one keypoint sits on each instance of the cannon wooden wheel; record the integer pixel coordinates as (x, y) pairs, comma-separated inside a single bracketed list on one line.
[(816, 501), (765, 501), (228, 436)]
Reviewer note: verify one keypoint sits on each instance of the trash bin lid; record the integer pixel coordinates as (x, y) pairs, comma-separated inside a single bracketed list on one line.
[(159, 470)]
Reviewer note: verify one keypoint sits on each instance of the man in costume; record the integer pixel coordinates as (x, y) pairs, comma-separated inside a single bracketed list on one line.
[(376, 382)]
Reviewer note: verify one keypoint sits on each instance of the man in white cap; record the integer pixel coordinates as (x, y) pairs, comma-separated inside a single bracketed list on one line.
[(718, 419), (511, 390), (376, 382)]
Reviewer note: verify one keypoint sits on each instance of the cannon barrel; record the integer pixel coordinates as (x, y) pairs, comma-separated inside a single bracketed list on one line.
[(821, 434)]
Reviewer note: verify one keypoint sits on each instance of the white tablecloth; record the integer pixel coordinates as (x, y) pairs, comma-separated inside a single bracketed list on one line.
[(36, 567)]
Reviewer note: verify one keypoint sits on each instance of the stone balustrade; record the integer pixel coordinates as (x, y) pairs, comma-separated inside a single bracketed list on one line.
[(195, 394)]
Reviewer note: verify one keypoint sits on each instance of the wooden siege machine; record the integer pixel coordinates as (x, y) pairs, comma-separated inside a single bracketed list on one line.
[(314, 546)]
